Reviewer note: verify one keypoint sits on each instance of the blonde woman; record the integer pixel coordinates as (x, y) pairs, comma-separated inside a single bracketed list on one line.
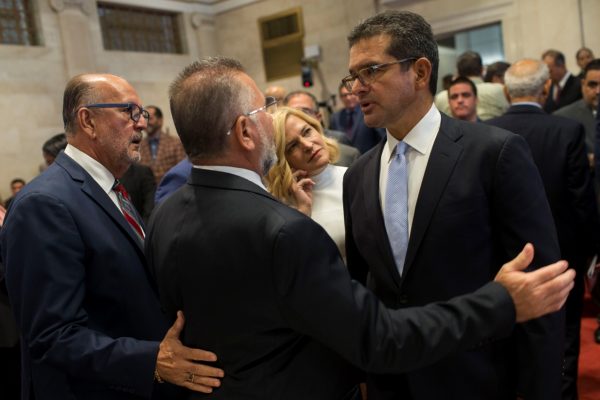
[(304, 176)]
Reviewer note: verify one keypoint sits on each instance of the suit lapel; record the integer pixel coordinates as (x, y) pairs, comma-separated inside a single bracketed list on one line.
[(97, 195), (444, 156), (374, 215)]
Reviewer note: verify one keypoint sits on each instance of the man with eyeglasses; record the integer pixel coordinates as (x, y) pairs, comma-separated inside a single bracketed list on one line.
[(350, 120), (72, 246), (435, 210), (264, 286), (307, 102)]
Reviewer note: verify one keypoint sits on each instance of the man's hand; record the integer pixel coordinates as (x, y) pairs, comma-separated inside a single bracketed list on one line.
[(539, 292), (178, 364)]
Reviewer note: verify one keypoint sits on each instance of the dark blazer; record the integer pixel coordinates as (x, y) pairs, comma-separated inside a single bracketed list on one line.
[(569, 94), (139, 183), (173, 180), (264, 287), (77, 280), (480, 201), (559, 151), (362, 137), (558, 148), (582, 113)]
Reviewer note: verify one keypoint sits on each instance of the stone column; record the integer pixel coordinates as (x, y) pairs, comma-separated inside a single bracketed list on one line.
[(74, 24), (205, 34)]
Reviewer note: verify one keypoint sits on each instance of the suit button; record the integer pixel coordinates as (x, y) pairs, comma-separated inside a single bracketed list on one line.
[(403, 299)]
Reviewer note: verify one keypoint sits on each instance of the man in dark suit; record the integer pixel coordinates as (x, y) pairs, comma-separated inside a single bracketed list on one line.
[(77, 280), (292, 323), (470, 196), (139, 182), (583, 110), (351, 121), (559, 151), (566, 87)]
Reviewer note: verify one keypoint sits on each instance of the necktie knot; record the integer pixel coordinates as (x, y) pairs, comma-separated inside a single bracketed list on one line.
[(401, 148)]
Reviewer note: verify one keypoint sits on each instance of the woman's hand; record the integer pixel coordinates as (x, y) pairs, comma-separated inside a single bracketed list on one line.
[(302, 191)]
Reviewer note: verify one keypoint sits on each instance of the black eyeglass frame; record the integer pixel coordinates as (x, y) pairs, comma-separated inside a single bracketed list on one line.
[(128, 106), (367, 75)]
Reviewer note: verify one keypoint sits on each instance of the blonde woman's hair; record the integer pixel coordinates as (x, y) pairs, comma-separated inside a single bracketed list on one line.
[(279, 178)]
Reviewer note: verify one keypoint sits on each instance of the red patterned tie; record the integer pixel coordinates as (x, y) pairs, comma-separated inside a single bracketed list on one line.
[(127, 208)]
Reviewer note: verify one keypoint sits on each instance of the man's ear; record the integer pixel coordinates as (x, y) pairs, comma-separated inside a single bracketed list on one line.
[(87, 122), (506, 94), (243, 132), (422, 68)]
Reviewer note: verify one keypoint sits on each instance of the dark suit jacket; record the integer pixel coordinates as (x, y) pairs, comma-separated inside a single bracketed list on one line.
[(582, 113), (480, 201), (363, 137), (558, 148), (77, 280), (139, 183), (569, 94), (264, 287)]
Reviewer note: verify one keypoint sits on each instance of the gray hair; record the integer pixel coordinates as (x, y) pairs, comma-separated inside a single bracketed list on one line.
[(78, 92), (205, 99), (527, 82)]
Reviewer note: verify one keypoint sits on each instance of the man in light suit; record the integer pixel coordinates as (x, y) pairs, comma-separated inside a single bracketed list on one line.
[(77, 279), (291, 325), (473, 197), (558, 148)]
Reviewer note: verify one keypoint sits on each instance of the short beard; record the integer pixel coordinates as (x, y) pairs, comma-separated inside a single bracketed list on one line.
[(268, 153)]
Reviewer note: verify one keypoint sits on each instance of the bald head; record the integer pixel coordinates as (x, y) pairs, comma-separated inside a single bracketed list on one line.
[(525, 80), (88, 89), (278, 92), (104, 118)]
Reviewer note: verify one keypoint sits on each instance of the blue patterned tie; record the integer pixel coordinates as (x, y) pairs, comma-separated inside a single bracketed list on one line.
[(396, 205)]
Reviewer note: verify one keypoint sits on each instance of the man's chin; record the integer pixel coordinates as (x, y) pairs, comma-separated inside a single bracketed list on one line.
[(135, 156)]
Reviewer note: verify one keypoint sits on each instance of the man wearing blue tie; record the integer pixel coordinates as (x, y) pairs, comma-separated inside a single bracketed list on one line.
[(431, 204)]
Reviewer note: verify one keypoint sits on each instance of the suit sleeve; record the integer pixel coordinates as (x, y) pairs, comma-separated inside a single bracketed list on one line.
[(521, 214), (318, 299), (46, 278), (357, 265)]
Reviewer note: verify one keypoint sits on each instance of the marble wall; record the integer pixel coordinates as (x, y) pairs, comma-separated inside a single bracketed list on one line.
[(32, 79)]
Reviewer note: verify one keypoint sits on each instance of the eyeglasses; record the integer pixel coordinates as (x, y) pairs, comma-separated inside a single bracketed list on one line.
[(135, 111), (367, 75), (309, 111), (269, 107)]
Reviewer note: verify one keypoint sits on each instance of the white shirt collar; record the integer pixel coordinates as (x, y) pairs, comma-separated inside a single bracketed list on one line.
[(97, 171), (241, 172), (421, 135), (563, 81)]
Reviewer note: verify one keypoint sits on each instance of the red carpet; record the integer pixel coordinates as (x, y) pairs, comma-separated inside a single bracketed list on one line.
[(589, 358)]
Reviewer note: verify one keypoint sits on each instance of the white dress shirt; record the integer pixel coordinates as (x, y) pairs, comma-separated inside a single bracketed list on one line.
[(420, 141)]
